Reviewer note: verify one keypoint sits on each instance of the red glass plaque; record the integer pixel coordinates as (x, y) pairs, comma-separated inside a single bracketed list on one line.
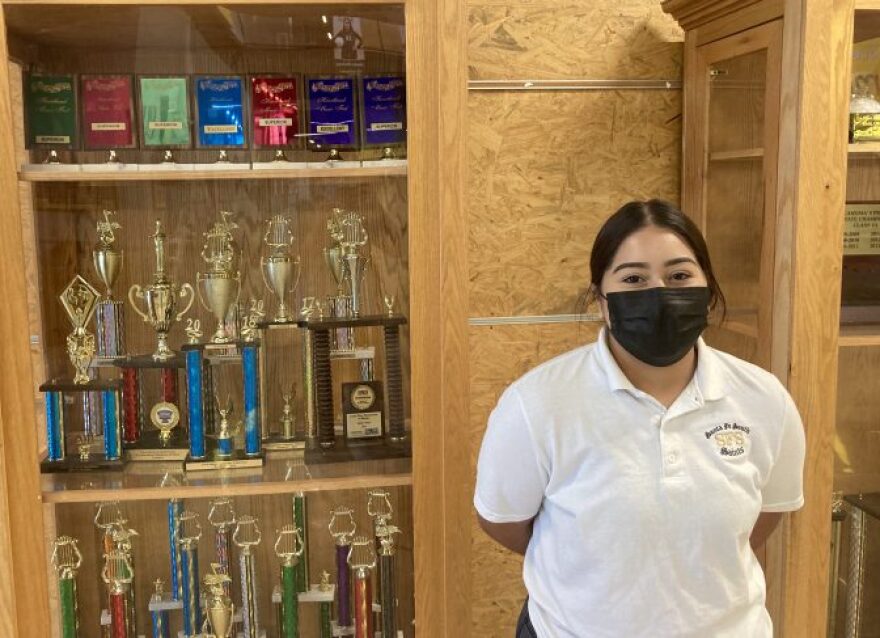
[(108, 112), (275, 111)]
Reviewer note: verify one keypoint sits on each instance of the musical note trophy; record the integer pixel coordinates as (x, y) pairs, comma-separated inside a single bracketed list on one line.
[(279, 267), (219, 287)]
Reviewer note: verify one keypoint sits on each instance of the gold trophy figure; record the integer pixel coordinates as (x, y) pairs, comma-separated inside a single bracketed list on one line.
[(107, 261), (79, 300), (288, 424), (160, 299), (219, 610), (220, 286), (278, 266), (226, 432)]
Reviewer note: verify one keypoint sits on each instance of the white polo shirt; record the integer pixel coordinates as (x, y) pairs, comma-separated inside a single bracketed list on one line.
[(643, 513)]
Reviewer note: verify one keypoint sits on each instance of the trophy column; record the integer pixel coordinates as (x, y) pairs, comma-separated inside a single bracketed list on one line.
[(66, 559), (222, 517), (189, 532), (342, 528), (250, 366), (247, 536), (362, 559), (394, 383), (118, 574), (175, 509), (195, 382), (387, 585), (289, 548), (300, 519), (131, 429)]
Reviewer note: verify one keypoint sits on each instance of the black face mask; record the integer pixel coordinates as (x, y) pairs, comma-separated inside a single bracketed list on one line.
[(658, 325)]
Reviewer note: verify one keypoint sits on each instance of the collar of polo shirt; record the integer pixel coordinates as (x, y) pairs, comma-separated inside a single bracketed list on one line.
[(708, 377)]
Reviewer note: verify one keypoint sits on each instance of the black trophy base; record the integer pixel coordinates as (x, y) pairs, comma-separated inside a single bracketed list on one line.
[(213, 461), (276, 443), (343, 451), (95, 463), (151, 448)]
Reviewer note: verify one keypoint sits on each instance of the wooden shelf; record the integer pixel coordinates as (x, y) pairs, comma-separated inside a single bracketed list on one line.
[(858, 336), (739, 154), (61, 175), (864, 148), (283, 473)]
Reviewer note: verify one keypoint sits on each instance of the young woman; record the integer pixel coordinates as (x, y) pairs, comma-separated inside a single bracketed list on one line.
[(637, 473)]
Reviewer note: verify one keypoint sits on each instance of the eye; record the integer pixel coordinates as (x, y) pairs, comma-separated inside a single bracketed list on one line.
[(681, 275), (633, 279)]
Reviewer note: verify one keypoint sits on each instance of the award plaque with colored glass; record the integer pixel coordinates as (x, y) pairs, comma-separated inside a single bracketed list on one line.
[(165, 116), (332, 118), (98, 401), (50, 116), (220, 115), (275, 118), (383, 116), (108, 117)]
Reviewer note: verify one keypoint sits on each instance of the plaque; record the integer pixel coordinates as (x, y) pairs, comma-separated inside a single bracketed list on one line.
[(362, 410), (332, 113), (107, 111), (50, 111), (219, 111), (383, 101), (165, 112), (275, 111), (861, 235)]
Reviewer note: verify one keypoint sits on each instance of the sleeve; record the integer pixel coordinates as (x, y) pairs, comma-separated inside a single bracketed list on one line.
[(510, 478), (783, 490)]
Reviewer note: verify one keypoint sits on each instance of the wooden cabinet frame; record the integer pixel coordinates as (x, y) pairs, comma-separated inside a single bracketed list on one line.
[(437, 251)]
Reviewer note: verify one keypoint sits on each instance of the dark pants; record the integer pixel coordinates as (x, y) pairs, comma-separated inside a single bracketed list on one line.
[(524, 627)]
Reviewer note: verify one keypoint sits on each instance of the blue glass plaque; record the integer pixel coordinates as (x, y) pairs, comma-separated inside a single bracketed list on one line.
[(332, 113), (220, 111), (384, 110)]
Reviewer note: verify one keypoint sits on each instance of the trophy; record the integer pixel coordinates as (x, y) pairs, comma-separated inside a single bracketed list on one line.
[(247, 536), (300, 519), (218, 608), (289, 548), (188, 534), (122, 536), (222, 517), (108, 262), (220, 285), (278, 265), (362, 559), (118, 574), (226, 432), (66, 559), (342, 527), (160, 610), (288, 425), (352, 237), (173, 512), (79, 300), (160, 298), (387, 587)]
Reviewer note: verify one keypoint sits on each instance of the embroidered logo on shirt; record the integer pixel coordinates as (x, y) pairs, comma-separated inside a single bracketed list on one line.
[(731, 439)]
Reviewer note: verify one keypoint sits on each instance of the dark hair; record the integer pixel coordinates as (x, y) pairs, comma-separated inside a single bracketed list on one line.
[(655, 212)]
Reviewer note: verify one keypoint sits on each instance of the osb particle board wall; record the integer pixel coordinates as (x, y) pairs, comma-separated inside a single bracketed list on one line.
[(545, 169)]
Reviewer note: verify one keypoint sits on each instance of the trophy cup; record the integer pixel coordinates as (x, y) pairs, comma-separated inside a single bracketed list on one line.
[(289, 548), (66, 559), (218, 608), (188, 534), (342, 528), (79, 300), (160, 298), (118, 574), (108, 262), (246, 537), (387, 586), (220, 285), (222, 517), (279, 268), (362, 559)]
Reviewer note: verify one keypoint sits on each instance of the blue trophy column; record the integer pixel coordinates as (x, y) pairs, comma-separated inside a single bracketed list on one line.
[(250, 365), (55, 426), (195, 406), (112, 434)]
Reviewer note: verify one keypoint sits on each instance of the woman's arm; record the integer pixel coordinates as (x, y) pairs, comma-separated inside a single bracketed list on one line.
[(513, 536), (766, 523)]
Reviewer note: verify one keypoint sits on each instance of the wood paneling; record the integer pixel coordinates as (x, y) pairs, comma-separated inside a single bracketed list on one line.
[(500, 355), (606, 39), (546, 169), (857, 436)]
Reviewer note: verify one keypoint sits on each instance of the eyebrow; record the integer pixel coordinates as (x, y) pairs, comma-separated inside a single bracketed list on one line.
[(642, 264)]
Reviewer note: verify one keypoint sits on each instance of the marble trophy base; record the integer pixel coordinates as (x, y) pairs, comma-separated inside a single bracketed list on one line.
[(150, 447), (276, 443), (214, 461)]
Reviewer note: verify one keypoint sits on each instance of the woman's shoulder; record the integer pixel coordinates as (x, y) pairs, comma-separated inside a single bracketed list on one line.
[(571, 368), (741, 374)]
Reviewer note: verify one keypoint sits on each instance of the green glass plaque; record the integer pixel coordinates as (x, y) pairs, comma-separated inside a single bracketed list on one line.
[(50, 110), (165, 118)]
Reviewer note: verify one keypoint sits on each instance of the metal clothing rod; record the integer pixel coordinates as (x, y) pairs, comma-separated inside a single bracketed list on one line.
[(534, 319), (573, 85)]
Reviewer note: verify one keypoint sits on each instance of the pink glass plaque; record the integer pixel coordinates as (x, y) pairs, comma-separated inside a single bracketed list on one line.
[(275, 111), (108, 112)]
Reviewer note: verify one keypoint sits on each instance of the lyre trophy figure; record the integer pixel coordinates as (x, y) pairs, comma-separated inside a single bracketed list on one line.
[(220, 285), (107, 261), (280, 269), (160, 299), (118, 575), (67, 559)]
